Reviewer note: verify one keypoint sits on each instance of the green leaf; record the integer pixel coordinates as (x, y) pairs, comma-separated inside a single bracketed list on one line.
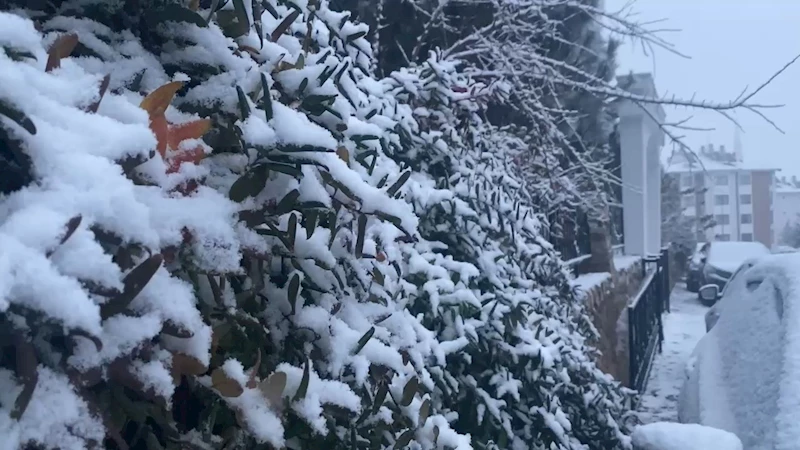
[(266, 100), (27, 372), (250, 184), (377, 275), (424, 411), (174, 12), (10, 111), (241, 13), (288, 202), (244, 107), (292, 171), (355, 36), (371, 114), (294, 289), (291, 230), (404, 439), (284, 25), (393, 189), (409, 391), (303, 389), (364, 339), (311, 223), (380, 397), (303, 86), (134, 282), (362, 232)]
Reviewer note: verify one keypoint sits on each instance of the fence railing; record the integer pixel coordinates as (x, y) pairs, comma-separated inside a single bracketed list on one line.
[(645, 328)]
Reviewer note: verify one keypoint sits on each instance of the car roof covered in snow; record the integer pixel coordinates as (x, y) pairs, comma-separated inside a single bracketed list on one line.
[(748, 365)]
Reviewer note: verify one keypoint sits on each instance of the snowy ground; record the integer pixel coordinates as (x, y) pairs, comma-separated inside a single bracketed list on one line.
[(683, 327)]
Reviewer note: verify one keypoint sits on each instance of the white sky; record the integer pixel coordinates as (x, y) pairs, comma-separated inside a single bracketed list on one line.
[(731, 44)]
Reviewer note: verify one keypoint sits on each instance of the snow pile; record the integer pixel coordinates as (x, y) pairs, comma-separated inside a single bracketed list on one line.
[(674, 436)]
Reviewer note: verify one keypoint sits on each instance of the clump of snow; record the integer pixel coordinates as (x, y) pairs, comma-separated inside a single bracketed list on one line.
[(674, 436)]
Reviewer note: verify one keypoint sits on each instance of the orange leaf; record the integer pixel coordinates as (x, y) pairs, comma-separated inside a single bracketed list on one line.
[(61, 48), (194, 5), (160, 127), (189, 130), (157, 102)]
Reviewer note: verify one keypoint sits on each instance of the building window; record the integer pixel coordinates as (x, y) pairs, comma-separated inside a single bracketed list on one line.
[(721, 200), (747, 218), (722, 219), (747, 237), (744, 179), (686, 181), (721, 180), (746, 199), (723, 237), (687, 201)]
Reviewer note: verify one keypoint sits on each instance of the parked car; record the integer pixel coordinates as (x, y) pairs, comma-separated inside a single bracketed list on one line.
[(711, 294), (721, 259), (744, 375), (695, 266)]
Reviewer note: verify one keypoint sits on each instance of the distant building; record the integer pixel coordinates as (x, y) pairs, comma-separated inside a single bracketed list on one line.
[(787, 204), (738, 196)]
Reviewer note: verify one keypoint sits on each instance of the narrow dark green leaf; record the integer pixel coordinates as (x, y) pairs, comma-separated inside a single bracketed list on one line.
[(393, 189), (244, 107), (404, 439), (303, 389), (294, 289), (355, 36), (174, 12), (284, 25), (134, 282), (424, 411), (364, 339), (377, 275), (266, 100), (249, 184), (303, 86), (380, 397), (10, 111), (361, 235), (288, 202), (291, 230), (311, 223), (409, 391), (27, 372), (241, 14)]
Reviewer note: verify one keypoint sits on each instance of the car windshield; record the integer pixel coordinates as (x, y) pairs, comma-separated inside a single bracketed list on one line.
[(732, 254)]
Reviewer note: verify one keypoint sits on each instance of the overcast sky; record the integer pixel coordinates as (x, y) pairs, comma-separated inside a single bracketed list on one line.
[(731, 44)]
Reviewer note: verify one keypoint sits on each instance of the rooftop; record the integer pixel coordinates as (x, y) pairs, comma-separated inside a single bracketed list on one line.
[(711, 160)]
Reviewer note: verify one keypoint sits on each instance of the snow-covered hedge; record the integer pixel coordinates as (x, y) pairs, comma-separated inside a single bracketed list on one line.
[(220, 230)]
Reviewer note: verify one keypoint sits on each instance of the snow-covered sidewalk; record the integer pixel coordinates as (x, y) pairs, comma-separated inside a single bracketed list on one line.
[(683, 328)]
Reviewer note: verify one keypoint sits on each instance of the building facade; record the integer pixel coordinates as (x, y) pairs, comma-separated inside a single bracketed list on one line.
[(787, 205), (739, 198)]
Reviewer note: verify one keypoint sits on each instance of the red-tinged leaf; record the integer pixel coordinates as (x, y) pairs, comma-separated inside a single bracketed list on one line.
[(134, 282), (157, 102), (184, 131), (103, 88), (194, 156), (61, 48)]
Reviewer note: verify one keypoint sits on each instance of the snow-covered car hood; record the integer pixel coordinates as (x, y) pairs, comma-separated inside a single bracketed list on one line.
[(744, 376)]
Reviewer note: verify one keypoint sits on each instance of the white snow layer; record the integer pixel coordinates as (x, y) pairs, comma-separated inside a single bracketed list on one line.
[(674, 436)]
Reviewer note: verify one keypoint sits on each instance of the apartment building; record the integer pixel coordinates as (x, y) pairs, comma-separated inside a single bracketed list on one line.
[(787, 204), (738, 196)]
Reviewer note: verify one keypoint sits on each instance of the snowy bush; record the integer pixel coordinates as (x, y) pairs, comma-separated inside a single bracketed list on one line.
[(278, 314), (222, 231)]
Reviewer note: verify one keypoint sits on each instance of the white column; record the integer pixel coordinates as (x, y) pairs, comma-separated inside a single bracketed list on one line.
[(641, 140)]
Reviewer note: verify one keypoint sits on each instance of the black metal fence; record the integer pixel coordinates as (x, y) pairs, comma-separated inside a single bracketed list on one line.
[(645, 330)]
